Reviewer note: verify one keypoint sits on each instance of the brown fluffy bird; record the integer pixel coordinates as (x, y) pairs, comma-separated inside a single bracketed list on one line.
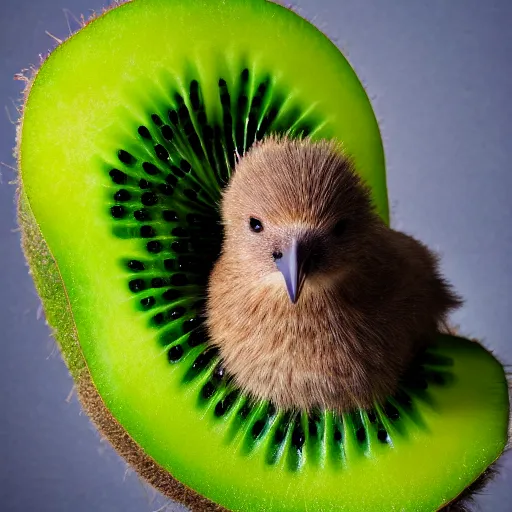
[(314, 301)]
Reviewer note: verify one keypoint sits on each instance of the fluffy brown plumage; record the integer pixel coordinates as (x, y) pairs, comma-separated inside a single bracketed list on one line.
[(371, 296)]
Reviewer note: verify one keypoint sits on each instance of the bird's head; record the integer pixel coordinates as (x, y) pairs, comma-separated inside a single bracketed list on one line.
[(297, 208)]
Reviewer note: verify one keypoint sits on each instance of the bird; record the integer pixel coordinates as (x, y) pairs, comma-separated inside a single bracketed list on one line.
[(314, 301)]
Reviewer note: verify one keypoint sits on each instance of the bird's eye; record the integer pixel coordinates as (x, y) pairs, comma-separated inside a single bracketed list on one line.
[(256, 225), (340, 227)]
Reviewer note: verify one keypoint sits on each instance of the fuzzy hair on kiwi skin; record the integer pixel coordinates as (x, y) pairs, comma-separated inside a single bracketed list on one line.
[(58, 313)]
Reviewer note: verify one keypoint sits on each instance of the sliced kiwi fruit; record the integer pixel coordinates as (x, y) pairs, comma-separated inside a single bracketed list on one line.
[(129, 132)]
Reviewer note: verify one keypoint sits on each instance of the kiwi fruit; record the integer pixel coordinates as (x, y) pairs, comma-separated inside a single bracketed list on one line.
[(130, 130)]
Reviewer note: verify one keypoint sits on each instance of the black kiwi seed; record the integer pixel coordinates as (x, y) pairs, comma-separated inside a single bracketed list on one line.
[(137, 285), (191, 324), (122, 195), (220, 408), (177, 312), (372, 417), (170, 216), (149, 199), (208, 390), (136, 266), (195, 143), (312, 427), (175, 353), (150, 168), (183, 113), (171, 180), (158, 282), (337, 435), (197, 337), (262, 88), (177, 171), (225, 405), (118, 177), (194, 94), (173, 117), (126, 157), (171, 295), (202, 361), (117, 211), (156, 119), (361, 434), (298, 437), (257, 429), (147, 232), (165, 189), (154, 246), (245, 411), (144, 184), (242, 101), (382, 436), (225, 99), (391, 411), (148, 302), (159, 319), (141, 215), (144, 132), (218, 373), (185, 166)]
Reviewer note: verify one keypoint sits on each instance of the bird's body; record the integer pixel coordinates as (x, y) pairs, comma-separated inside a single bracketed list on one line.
[(366, 300)]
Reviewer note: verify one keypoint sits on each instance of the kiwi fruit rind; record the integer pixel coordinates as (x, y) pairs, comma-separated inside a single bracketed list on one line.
[(129, 131)]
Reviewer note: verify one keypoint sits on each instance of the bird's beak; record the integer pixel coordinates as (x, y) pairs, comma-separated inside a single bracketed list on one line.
[(291, 265)]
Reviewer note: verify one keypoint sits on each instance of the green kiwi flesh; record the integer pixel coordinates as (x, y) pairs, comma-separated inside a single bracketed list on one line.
[(129, 132)]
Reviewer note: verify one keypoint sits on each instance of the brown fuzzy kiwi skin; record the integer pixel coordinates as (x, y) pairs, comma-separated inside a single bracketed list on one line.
[(49, 285)]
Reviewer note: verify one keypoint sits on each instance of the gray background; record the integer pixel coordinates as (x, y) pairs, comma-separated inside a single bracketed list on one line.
[(439, 75)]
